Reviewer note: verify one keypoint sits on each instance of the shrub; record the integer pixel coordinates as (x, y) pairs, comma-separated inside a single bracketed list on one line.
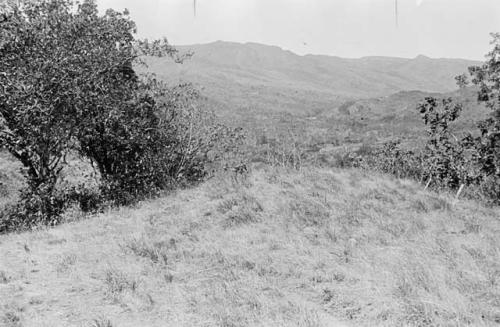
[(202, 144), (489, 188), (444, 161), (486, 78), (392, 158), (34, 208), (286, 149)]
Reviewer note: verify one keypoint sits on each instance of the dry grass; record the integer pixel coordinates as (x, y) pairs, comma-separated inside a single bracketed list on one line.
[(284, 248)]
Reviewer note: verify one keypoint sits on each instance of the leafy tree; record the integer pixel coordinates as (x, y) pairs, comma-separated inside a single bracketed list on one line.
[(37, 91), (487, 78), (67, 82)]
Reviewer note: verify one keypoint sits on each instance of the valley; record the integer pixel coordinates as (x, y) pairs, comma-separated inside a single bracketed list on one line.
[(269, 91)]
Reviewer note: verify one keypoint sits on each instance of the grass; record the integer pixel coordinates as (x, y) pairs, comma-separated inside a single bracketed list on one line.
[(315, 247), (118, 282), (101, 322), (156, 252)]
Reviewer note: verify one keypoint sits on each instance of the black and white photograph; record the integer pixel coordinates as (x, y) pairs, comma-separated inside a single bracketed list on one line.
[(249, 163)]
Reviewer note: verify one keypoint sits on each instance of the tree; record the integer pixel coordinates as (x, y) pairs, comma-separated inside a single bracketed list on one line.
[(66, 82), (38, 90), (487, 78), (468, 160)]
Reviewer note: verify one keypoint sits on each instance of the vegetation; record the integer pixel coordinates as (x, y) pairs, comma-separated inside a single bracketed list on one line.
[(68, 87), (447, 160), (284, 247), (273, 237)]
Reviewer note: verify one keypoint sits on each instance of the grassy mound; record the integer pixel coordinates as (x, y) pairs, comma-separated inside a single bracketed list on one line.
[(277, 248)]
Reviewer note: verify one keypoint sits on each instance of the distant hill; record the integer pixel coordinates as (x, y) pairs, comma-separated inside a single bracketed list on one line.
[(265, 77), (396, 114), (403, 104)]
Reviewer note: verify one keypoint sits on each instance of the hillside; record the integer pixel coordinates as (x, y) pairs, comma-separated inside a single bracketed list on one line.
[(281, 248), (396, 114), (260, 78)]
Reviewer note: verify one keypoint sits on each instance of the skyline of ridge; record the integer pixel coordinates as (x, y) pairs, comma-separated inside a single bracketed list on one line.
[(420, 55), (346, 28)]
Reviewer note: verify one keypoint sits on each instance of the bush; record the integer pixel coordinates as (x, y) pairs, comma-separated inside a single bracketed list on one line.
[(33, 208), (445, 161), (490, 189), (392, 158), (286, 149)]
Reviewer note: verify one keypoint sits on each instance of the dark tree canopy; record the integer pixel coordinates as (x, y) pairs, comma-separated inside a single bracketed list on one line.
[(67, 83)]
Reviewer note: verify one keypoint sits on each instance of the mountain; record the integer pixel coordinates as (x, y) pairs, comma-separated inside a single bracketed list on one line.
[(257, 76)]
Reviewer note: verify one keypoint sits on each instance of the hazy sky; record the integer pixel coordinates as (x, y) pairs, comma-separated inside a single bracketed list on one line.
[(346, 28)]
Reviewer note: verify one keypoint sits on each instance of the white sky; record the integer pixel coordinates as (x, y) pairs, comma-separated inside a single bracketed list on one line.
[(345, 28)]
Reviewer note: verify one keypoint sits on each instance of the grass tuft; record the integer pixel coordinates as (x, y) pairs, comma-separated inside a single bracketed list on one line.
[(101, 322), (156, 252), (240, 210), (118, 282)]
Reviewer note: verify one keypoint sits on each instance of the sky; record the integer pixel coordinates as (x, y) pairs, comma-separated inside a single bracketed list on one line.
[(344, 28)]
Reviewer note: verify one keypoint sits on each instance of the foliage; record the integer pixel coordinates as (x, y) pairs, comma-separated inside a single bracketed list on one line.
[(181, 143), (390, 158), (34, 207), (444, 160), (67, 84), (204, 144), (35, 101), (44, 207), (447, 160), (286, 147), (487, 78)]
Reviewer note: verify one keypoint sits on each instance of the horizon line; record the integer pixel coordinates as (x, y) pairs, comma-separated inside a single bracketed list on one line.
[(327, 55)]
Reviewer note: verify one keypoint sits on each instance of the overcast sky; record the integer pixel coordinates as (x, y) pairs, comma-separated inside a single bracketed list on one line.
[(345, 28)]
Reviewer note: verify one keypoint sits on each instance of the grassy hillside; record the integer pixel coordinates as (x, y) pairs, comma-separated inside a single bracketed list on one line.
[(280, 248)]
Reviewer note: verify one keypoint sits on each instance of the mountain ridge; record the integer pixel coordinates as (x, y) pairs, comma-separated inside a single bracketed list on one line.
[(250, 43), (254, 81), (270, 66)]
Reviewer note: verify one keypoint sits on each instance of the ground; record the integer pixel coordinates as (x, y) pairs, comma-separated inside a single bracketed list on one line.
[(316, 247)]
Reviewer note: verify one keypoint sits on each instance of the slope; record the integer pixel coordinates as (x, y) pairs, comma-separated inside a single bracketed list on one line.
[(279, 248), (397, 115)]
